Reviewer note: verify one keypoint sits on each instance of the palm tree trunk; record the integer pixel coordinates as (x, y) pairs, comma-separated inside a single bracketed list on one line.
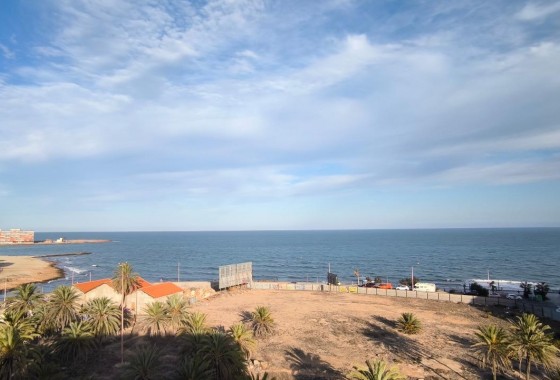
[(494, 369), (528, 373)]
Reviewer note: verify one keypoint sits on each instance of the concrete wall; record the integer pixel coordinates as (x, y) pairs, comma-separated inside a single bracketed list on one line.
[(16, 236), (188, 285)]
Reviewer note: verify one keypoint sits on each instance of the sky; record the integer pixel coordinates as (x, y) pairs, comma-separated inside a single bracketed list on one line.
[(176, 115)]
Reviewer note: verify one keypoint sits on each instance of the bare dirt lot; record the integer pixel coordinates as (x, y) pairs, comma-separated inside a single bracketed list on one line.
[(323, 335)]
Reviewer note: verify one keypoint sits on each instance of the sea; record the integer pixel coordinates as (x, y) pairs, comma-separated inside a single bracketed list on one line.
[(447, 257)]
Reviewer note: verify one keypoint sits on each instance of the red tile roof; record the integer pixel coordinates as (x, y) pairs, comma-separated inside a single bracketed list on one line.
[(162, 289), (90, 285), (143, 283)]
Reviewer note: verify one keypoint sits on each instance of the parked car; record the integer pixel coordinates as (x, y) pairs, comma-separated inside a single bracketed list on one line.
[(402, 287), (514, 297)]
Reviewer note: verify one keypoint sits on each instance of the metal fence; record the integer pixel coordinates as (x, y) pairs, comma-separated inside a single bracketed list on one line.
[(540, 310), (235, 274)]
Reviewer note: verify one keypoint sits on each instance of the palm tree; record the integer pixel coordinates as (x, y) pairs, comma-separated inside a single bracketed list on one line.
[(377, 370), (526, 289), (409, 324), (13, 352), (25, 300), (25, 327), (492, 348), (244, 338), (554, 373), (125, 281), (62, 307), (531, 342), (177, 310), (262, 321), (42, 364), (194, 368), (156, 319), (223, 356), (76, 342), (194, 323), (144, 364), (357, 274), (103, 315)]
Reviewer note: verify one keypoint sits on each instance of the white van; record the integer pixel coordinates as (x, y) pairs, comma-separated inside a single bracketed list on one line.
[(425, 287)]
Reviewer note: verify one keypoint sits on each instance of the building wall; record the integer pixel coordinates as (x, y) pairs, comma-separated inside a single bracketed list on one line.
[(102, 291), (142, 299), (16, 236)]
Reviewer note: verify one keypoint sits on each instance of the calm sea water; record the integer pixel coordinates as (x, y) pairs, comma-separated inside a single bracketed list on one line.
[(444, 256)]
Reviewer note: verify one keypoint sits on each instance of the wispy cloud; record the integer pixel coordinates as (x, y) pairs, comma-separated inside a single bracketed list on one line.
[(253, 100), (532, 11)]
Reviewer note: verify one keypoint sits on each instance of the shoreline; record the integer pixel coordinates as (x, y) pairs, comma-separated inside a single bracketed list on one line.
[(55, 242), (18, 270)]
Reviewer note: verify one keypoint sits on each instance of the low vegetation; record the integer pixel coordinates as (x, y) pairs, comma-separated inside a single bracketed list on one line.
[(262, 321), (377, 370), (409, 324)]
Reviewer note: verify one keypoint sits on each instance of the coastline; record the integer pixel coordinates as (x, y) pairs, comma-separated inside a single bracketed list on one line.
[(57, 242), (17, 270)]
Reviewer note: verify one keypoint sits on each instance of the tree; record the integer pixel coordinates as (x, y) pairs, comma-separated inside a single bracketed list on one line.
[(244, 338), (409, 324), (125, 281), (25, 300), (357, 274), (491, 347), (377, 370), (76, 342), (156, 318), (194, 368), (194, 323), (408, 282), (103, 315), (177, 309), (262, 321), (144, 364), (531, 343), (478, 289), (13, 352), (223, 356), (62, 307), (542, 289), (526, 289), (25, 326)]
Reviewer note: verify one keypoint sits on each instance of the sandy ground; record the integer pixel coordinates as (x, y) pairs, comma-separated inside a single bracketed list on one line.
[(16, 270), (323, 335)]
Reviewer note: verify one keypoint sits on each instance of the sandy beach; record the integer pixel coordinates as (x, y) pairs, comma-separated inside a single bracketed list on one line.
[(17, 270)]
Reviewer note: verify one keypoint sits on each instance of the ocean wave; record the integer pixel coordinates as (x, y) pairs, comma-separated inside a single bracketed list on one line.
[(75, 270)]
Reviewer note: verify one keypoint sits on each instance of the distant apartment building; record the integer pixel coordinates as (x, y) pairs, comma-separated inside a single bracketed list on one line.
[(16, 236)]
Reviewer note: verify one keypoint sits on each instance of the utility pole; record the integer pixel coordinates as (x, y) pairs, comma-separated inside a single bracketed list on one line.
[(122, 315), (412, 280)]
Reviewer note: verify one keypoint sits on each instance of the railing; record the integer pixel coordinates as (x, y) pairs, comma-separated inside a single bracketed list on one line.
[(537, 309)]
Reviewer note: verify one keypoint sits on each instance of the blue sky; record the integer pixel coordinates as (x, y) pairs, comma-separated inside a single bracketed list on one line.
[(248, 115)]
